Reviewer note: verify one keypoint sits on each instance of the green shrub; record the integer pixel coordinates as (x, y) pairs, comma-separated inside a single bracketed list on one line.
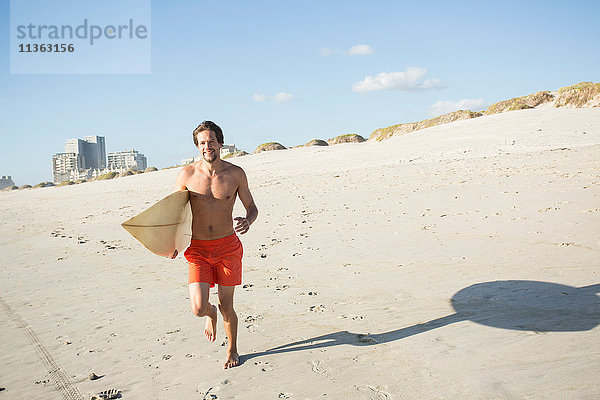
[(109, 175), (43, 185), (269, 147), (65, 183)]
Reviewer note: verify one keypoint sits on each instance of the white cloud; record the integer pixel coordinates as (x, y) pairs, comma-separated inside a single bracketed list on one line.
[(356, 50), (360, 50), (444, 107), (407, 81), (283, 97)]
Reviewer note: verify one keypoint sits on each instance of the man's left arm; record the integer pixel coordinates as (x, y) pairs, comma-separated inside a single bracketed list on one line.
[(243, 223)]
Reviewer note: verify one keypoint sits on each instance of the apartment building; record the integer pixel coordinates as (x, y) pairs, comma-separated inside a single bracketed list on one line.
[(92, 150), (124, 160), (79, 159), (6, 181)]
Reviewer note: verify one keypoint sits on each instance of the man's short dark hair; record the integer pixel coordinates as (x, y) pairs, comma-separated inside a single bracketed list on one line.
[(208, 126)]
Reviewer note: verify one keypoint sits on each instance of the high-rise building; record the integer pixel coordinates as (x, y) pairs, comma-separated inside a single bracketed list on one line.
[(92, 150), (79, 159), (6, 181), (96, 151), (124, 160), (64, 164)]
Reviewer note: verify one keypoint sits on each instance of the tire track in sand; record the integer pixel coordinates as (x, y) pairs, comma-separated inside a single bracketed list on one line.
[(57, 374)]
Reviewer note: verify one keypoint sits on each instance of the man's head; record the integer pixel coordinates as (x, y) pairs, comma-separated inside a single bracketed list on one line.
[(208, 138), (208, 126)]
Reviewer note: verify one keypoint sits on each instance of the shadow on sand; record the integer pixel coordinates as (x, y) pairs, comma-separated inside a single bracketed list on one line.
[(516, 305)]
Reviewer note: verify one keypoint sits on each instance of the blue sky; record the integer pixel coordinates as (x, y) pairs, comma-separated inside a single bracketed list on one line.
[(293, 71)]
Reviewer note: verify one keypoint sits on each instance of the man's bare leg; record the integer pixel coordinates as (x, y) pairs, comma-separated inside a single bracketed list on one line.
[(199, 293), (230, 321)]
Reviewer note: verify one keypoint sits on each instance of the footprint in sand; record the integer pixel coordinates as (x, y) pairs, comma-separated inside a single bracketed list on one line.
[(253, 323), (108, 394), (366, 339), (58, 233), (207, 395), (373, 392), (264, 366), (316, 366), (112, 245), (251, 318)]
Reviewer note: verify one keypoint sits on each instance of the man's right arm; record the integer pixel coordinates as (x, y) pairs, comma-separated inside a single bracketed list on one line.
[(182, 178), (245, 196)]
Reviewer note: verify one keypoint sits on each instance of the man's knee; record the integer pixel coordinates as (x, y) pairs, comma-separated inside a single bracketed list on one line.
[(227, 309), (201, 310)]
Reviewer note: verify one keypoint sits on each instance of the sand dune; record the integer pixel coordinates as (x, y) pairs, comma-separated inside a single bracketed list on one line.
[(460, 261)]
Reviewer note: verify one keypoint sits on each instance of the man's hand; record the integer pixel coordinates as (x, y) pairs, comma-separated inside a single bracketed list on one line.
[(242, 225)]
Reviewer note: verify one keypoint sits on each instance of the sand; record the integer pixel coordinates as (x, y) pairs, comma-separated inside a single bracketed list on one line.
[(460, 261)]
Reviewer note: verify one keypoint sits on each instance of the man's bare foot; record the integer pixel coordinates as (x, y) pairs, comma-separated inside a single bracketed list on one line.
[(210, 330), (233, 360)]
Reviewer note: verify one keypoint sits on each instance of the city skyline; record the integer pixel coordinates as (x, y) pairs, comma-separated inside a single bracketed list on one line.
[(87, 158), (6, 181), (294, 71)]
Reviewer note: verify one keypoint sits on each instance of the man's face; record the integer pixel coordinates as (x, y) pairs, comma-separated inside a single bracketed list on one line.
[(209, 146)]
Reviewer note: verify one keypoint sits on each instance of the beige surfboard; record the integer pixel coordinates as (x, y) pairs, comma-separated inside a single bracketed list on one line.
[(166, 227)]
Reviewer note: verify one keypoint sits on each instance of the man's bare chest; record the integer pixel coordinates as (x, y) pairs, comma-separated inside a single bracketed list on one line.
[(214, 188)]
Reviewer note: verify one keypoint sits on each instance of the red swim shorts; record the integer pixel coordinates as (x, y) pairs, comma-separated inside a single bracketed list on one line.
[(216, 261)]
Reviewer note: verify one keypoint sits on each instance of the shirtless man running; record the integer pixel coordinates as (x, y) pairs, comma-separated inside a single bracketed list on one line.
[(215, 254)]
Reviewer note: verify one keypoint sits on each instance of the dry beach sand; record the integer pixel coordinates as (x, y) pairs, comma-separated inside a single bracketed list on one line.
[(460, 261)]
